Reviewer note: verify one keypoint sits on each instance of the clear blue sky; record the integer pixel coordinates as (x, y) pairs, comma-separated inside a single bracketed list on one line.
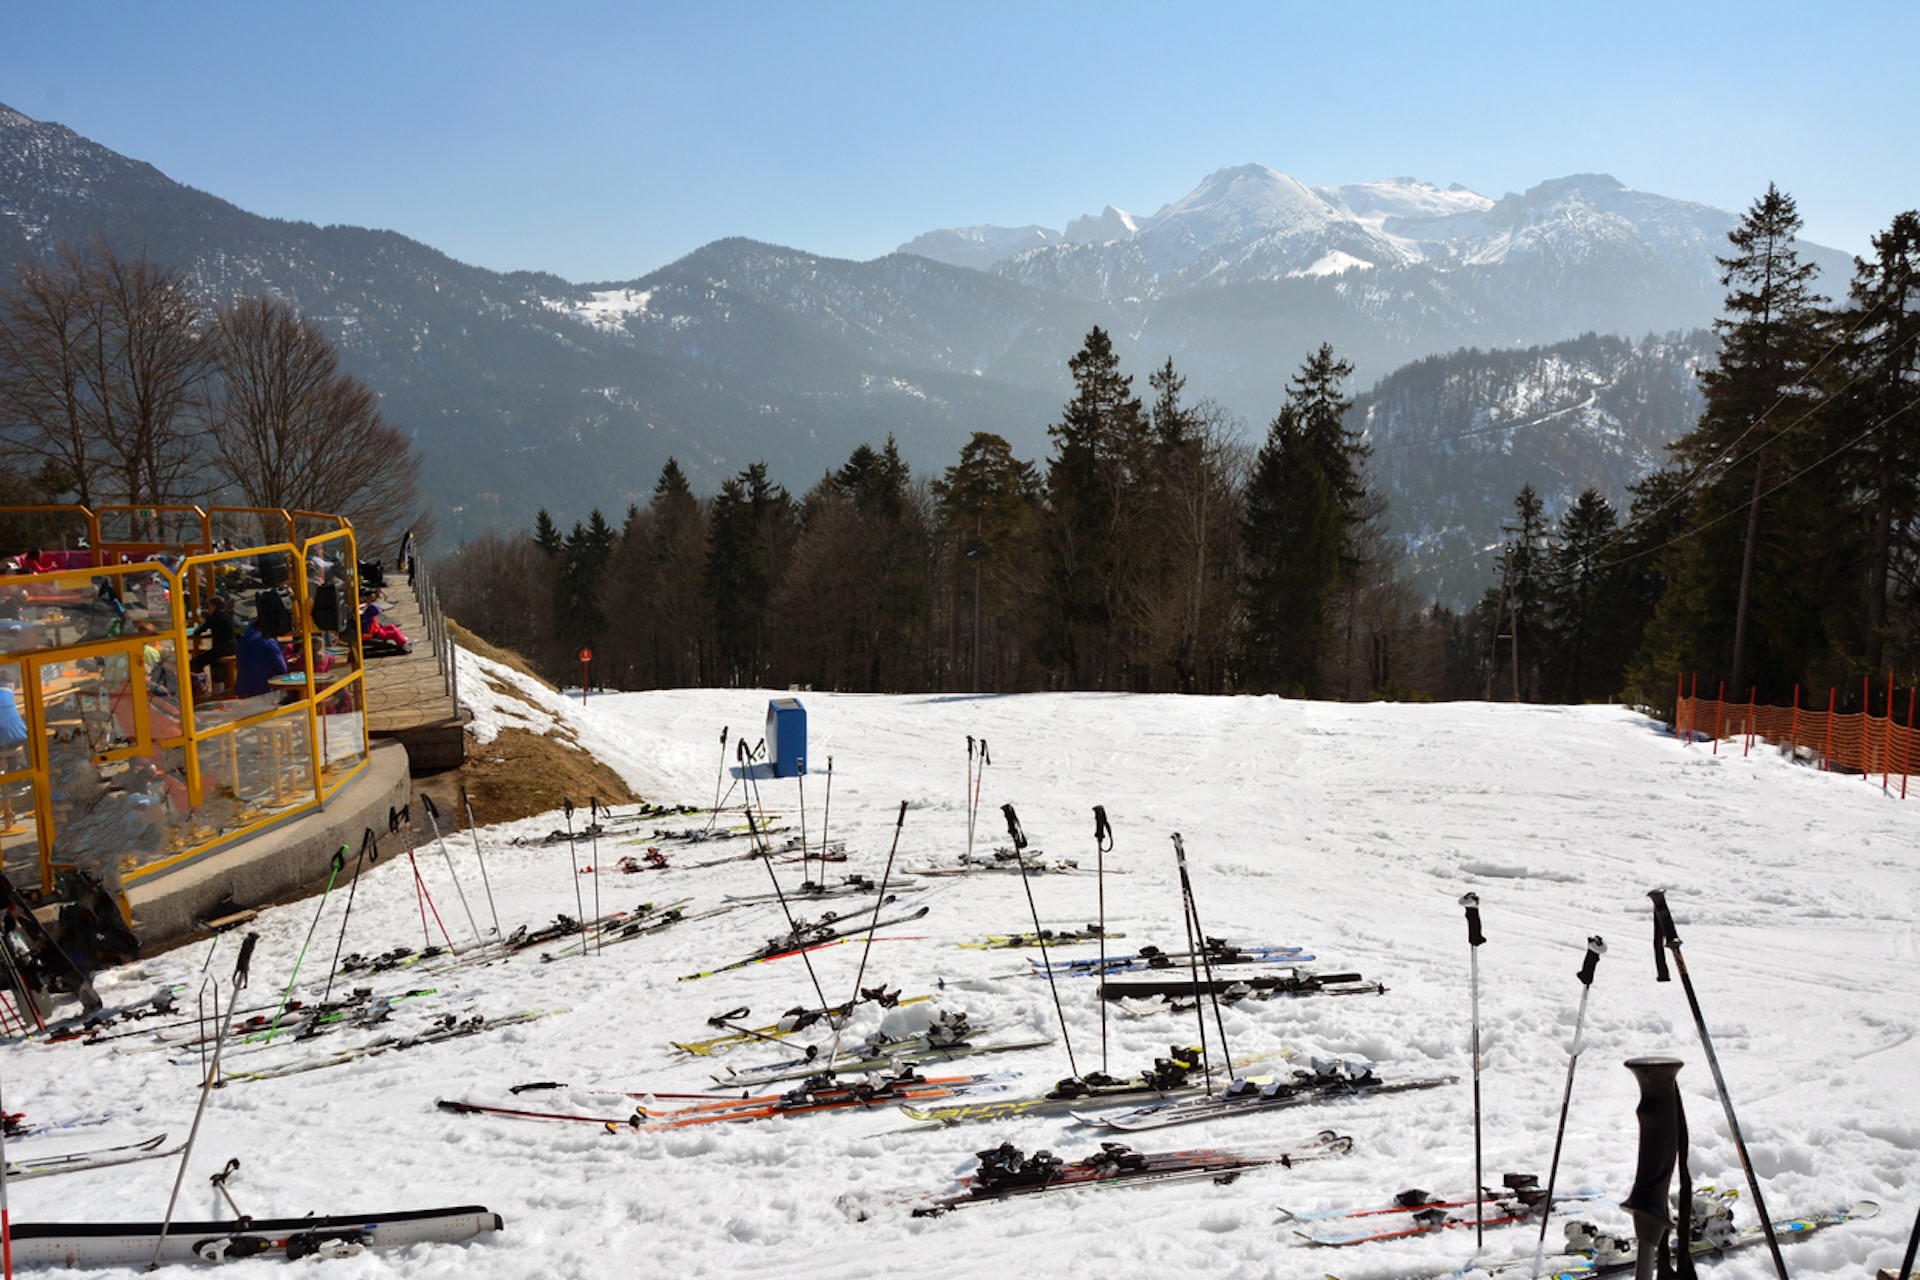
[(600, 141)]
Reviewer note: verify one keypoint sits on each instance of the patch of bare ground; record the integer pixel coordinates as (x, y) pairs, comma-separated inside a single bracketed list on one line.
[(519, 773)]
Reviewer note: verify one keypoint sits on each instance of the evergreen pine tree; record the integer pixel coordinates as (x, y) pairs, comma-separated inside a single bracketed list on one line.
[(545, 535), (1878, 420), (1746, 510), (1306, 505), (1100, 455), (1575, 649), (986, 503), (1294, 535)]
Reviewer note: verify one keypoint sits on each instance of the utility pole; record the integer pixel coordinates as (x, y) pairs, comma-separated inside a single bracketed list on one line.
[(1747, 549), (1510, 610)]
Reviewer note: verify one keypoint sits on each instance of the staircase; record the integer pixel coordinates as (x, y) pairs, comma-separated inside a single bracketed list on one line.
[(414, 697)]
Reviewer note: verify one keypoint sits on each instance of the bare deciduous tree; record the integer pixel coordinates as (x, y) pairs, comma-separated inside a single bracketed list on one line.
[(289, 428), (147, 365), (101, 367)]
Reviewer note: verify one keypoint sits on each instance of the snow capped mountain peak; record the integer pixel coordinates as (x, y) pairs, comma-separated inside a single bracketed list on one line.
[(1377, 203), (1231, 206), (1109, 224)]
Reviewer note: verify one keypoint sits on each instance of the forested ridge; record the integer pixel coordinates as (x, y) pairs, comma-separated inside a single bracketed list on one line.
[(1772, 546)]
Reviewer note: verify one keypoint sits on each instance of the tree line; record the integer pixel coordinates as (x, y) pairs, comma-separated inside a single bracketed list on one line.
[(1778, 550), (1151, 551), (119, 385)]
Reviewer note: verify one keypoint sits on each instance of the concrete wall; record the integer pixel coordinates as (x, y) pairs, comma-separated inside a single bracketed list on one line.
[(277, 864)]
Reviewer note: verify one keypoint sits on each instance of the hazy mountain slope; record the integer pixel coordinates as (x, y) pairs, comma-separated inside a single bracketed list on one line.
[(517, 401), (525, 390), (1455, 437)]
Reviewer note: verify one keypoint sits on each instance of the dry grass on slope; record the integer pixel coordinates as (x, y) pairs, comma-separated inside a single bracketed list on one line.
[(520, 773)]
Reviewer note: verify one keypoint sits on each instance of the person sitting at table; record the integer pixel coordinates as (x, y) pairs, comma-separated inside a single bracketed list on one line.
[(218, 627), (371, 628), (38, 561), (13, 726), (257, 659)]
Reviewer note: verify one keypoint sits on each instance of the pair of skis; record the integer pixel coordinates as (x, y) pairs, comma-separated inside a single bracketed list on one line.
[(818, 1094), (1328, 1081), (1005, 1172)]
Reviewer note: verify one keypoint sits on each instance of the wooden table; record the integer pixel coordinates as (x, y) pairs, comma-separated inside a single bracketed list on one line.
[(298, 680)]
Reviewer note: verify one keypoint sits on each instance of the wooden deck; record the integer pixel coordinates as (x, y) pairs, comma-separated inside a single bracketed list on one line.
[(407, 696)]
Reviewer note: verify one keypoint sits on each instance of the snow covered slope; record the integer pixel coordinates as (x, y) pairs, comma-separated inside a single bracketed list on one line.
[(1350, 830)]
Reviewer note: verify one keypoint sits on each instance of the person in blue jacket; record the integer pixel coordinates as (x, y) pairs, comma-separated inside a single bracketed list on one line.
[(257, 659)]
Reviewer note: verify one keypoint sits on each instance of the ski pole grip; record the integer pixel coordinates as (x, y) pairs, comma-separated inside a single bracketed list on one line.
[(1664, 934), (393, 820), (1659, 1117), (1471, 901), (339, 862), (983, 752), (1596, 947), (426, 802), (900, 821), (1102, 833), (370, 844), (1014, 833)]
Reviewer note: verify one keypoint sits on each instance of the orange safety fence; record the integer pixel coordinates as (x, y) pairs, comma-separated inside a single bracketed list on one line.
[(1877, 747)]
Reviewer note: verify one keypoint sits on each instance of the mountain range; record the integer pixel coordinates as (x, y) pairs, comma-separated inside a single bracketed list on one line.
[(524, 390)]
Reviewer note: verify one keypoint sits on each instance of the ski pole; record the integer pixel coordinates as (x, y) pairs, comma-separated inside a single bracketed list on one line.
[(793, 926), (1019, 838), (473, 830), (219, 1181), (719, 776), (826, 811), (368, 844), (593, 829), (1596, 948), (1913, 1247), (334, 869), (573, 857), (433, 819), (206, 1091), (1667, 939), (860, 974), (6, 1214), (966, 798), (800, 779), (395, 819), (1102, 841), (1663, 1129), (979, 780), (1198, 958), (1475, 939)]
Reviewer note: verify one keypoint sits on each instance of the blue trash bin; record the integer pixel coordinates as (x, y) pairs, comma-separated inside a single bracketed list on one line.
[(787, 737)]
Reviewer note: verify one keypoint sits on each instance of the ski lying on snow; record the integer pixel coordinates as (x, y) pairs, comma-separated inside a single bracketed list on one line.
[(812, 939), (1169, 1078), (1326, 1082), (1619, 1257), (98, 1158), (792, 1021), (1261, 986), (446, 1027), (877, 1056), (1522, 1199), (126, 1244), (1006, 1172), (854, 884), (1052, 937), (1152, 958), (821, 1093)]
